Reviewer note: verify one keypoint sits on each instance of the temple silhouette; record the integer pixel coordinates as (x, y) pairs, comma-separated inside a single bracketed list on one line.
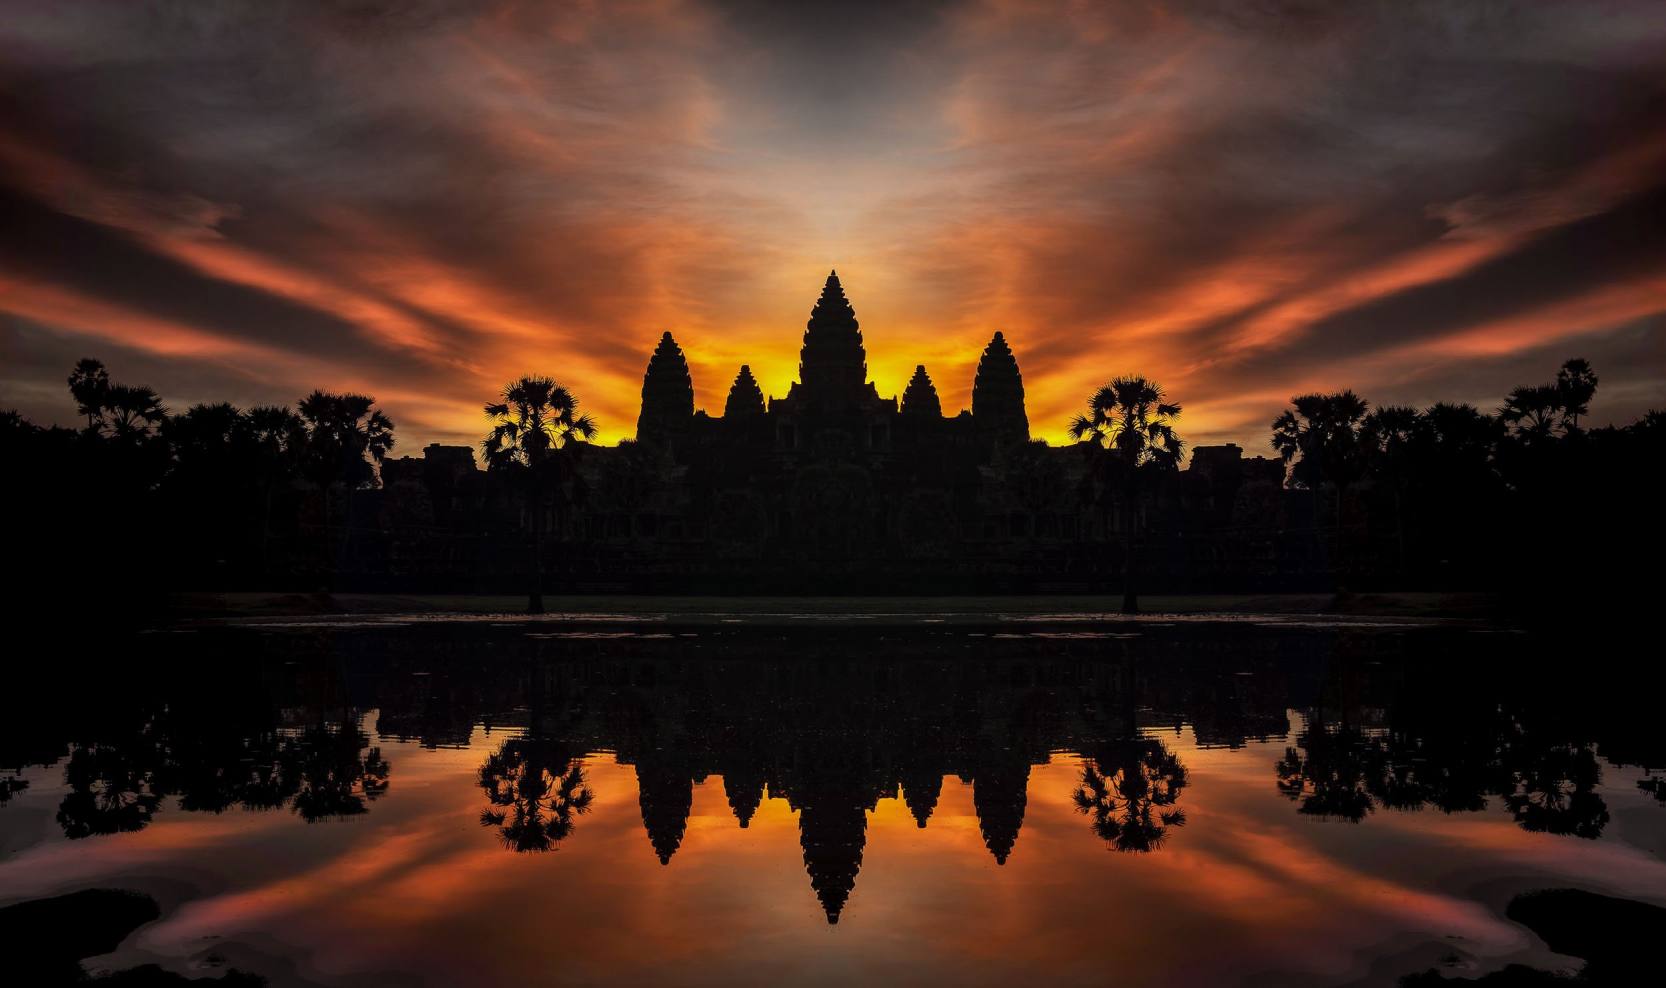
[(832, 487)]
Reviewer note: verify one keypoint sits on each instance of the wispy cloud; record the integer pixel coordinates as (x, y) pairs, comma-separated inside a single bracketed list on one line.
[(248, 200)]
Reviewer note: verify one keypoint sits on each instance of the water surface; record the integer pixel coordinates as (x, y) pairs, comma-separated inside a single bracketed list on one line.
[(619, 800)]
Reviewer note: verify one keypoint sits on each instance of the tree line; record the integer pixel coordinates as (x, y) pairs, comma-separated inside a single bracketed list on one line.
[(1450, 495), (1447, 494)]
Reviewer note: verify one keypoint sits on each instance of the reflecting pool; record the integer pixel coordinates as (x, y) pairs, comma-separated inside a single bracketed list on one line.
[(629, 801)]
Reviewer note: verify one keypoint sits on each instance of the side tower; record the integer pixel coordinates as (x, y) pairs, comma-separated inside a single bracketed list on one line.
[(919, 399), (998, 395), (746, 399), (667, 395)]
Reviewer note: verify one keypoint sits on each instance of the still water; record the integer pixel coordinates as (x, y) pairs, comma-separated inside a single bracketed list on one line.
[(628, 801)]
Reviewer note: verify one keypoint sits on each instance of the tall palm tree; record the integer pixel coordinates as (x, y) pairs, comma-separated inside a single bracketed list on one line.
[(1131, 421), (279, 438), (1388, 439), (532, 427), (1320, 432), (1576, 383), (89, 384), (342, 430)]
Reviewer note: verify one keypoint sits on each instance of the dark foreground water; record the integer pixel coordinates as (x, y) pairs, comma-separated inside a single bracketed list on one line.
[(824, 802)]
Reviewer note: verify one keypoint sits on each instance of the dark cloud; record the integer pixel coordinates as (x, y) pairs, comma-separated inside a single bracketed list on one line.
[(47, 246)]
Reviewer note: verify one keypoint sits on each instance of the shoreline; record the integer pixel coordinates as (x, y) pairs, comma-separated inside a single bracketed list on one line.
[(1402, 606)]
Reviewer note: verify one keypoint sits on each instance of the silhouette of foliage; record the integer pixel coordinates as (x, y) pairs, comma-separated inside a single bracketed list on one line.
[(1130, 791), (533, 430), (1131, 421)]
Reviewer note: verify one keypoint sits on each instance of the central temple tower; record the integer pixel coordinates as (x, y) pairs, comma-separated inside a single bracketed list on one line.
[(833, 366)]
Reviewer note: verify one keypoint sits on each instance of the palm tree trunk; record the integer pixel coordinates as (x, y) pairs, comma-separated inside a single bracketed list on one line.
[(535, 599), (1130, 546)]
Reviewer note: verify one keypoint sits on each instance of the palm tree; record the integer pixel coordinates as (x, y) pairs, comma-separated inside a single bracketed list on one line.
[(132, 412), (1320, 433), (536, 421), (1576, 383), (1131, 422), (279, 438), (89, 384), (1388, 438), (1533, 411), (1323, 430), (341, 431)]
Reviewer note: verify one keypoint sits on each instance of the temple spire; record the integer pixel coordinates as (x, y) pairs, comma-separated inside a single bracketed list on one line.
[(998, 394), (667, 394), (745, 397), (920, 397), (833, 364)]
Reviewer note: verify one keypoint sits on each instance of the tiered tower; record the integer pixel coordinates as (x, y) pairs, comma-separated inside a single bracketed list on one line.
[(920, 397), (998, 394), (667, 394), (833, 367), (746, 399)]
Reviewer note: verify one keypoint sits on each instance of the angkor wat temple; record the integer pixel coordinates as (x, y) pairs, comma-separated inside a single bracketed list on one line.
[(834, 487)]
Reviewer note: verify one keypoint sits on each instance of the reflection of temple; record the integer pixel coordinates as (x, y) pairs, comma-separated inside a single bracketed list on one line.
[(832, 721)]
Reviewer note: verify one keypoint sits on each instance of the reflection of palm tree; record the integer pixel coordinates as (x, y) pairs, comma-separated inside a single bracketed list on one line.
[(1555, 792), (536, 420), (110, 793), (535, 790), (1329, 773), (1131, 792), (333, 781)]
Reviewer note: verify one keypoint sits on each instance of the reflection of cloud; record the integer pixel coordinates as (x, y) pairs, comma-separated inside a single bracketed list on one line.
[(425, 200)]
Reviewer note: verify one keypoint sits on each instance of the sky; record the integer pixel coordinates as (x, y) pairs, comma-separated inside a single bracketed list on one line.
[(1241, 199)]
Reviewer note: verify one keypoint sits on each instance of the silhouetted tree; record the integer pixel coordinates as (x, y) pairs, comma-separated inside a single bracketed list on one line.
[(1576, 385), (279, 437), (333, 780), (346, 434), (1131, 423), (1320, 433), (1329, 773), (536, 788), (1554, 788), (533, 427), (89, 385), (1130, 791), (111, 790), (1388, 441), (342, 430)]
